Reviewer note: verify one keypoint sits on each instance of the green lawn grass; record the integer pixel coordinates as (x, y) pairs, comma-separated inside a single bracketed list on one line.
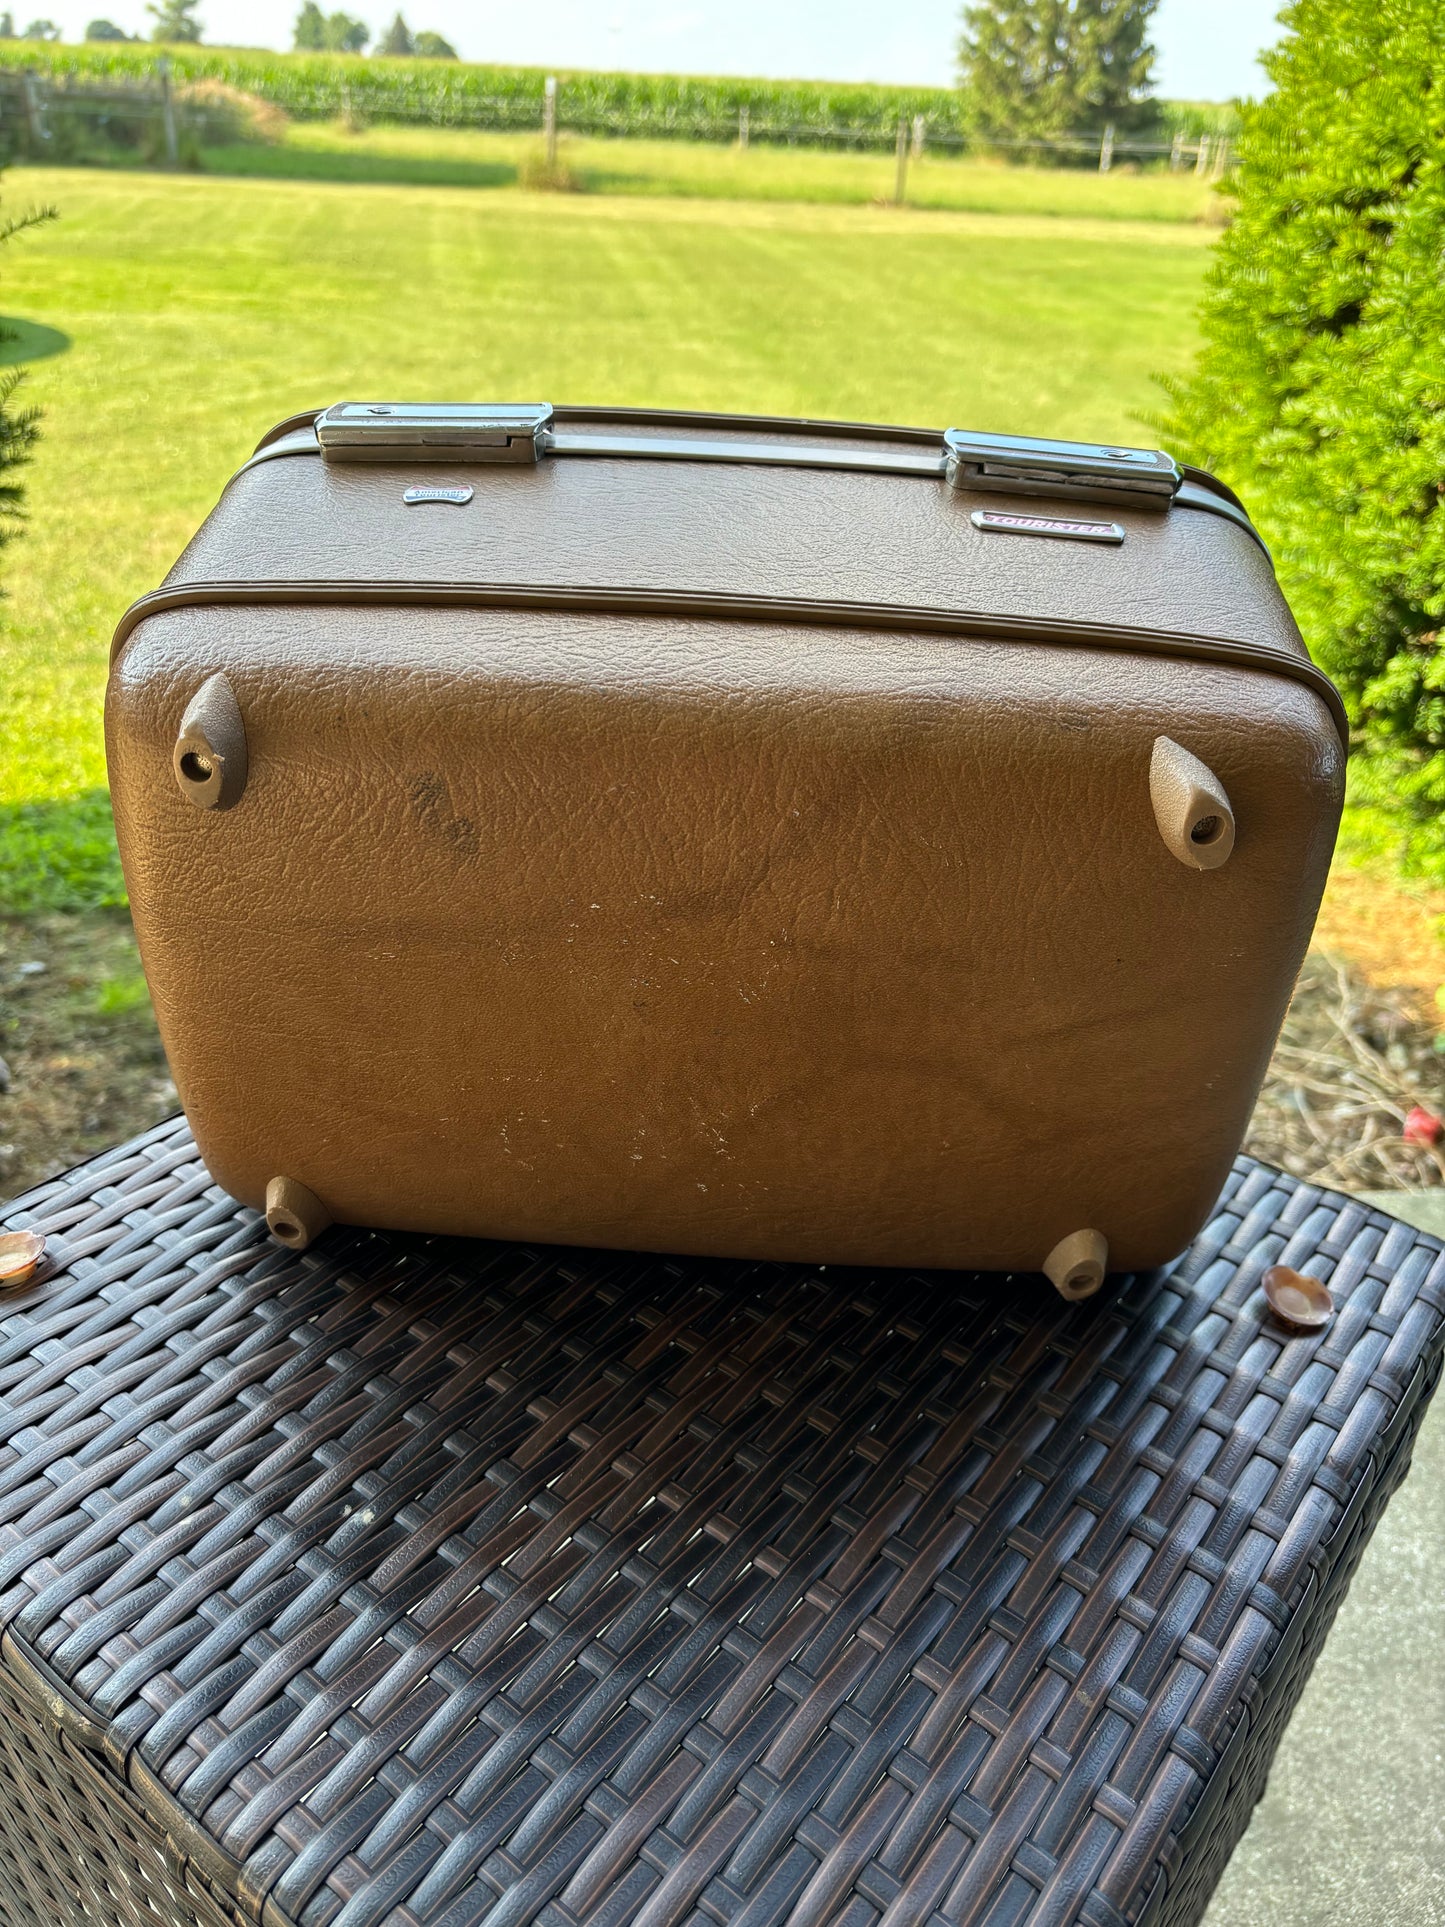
[(464, 157), (199, 310)]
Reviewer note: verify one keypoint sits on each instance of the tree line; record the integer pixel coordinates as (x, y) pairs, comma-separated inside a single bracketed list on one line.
[(177, 23), (343, 33), (1029, 70)]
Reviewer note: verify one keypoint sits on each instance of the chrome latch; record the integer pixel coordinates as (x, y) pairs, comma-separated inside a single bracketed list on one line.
[(392, 431), (1087, 471)]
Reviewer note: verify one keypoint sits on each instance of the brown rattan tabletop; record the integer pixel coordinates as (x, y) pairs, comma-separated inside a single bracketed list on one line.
[(412, 1582)]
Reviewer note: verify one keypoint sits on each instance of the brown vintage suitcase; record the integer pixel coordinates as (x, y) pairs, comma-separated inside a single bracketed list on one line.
[(767, 838)]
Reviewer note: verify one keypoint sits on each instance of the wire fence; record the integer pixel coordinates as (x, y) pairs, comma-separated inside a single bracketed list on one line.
[(58, 116)]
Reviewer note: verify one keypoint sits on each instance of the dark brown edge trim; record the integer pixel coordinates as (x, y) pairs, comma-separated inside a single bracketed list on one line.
[(1193, 495), (292, 425), (705, 606), (1201, 478)]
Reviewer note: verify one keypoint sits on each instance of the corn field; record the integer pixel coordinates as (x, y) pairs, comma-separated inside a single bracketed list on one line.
[(451, 93)]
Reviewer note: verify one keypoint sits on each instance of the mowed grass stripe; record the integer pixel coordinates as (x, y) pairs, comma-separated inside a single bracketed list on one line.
[(467, 157), (200, 310)]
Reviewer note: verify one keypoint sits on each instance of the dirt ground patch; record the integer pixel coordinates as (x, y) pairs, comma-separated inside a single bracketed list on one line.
[(1391, 930), (86, 1069)]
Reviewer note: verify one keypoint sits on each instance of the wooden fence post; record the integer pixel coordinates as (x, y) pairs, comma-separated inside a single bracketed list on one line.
[(168, 113), (1106, 149), (743, 118), (900, 178), (1201, 156), (34, 113), (549, 119), (920, 134), (1176, 152)]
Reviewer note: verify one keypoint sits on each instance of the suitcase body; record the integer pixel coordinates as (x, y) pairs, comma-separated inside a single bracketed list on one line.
[(740, 837)]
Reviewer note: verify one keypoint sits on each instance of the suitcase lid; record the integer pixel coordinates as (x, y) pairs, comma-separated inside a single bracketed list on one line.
[(608, 532)]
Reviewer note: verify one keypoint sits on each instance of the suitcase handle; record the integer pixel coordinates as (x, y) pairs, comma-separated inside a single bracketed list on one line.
[(488, 432)]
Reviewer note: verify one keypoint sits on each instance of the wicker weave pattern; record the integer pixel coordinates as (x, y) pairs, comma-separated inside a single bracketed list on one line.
[(70, 1836), (432, 1584)]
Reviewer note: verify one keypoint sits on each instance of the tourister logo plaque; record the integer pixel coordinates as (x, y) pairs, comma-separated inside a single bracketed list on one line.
[(997, 523), (416, 497)]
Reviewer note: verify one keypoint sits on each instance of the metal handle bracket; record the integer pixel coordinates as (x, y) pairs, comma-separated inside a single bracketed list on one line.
[(1144, 478), (356, 431)]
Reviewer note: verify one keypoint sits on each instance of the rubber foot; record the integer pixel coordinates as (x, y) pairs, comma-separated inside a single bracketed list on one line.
[(1077, 1264), (294, 1215)]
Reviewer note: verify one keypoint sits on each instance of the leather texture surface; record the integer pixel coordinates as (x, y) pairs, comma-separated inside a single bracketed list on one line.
[(736, 530), (722, 937)]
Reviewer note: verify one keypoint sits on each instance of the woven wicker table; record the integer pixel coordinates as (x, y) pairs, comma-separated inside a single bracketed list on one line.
[(424, 1583)]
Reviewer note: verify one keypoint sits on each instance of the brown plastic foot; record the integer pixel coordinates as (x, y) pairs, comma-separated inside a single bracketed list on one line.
[(293, 1214), (1076, 1265)]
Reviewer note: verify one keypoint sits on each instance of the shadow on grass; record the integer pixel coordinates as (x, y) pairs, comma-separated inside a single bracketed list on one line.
[(622, 180), (59, 856), (28, 341), (321, 164)]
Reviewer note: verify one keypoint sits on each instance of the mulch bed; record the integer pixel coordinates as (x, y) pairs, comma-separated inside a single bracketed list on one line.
[(1351, 1064), (86, 1070)]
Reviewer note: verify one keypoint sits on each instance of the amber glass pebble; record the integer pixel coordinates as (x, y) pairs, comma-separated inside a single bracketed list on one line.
[(1300, 1303), (20, 1255)]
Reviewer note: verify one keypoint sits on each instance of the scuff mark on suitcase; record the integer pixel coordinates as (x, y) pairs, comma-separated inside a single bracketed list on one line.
[(433, 809)]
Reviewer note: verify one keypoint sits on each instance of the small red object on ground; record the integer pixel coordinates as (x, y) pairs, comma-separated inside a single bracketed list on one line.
[(1422, 1127)]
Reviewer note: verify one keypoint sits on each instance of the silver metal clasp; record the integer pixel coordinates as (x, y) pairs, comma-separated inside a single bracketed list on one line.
[(394, 431), (1087, 471)]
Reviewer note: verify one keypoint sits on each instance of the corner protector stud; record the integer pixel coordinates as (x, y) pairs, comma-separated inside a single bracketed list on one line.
[(1193, 813), (209, 758)]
